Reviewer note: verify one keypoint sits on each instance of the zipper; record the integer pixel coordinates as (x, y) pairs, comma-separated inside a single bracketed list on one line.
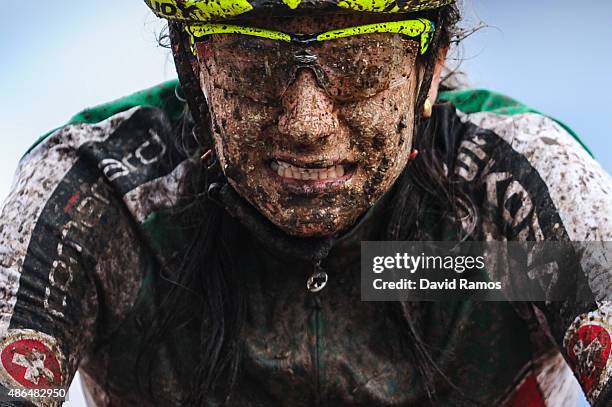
[(317, 280), (316, 329), (315, 284), (314, 303), (317, 350)]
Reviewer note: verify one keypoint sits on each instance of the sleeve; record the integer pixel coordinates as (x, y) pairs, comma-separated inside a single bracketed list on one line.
[(70, 264), (542, 185)]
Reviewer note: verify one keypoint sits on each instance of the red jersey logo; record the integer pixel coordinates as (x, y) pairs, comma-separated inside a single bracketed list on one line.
[(589, 350), (31, 360)]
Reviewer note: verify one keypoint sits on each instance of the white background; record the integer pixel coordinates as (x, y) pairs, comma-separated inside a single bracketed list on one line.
[(58, 57)]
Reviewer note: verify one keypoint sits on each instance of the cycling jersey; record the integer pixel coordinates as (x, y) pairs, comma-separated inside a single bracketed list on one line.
[(89, 235)]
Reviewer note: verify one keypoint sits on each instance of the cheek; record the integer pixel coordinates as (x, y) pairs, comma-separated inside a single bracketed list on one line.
[(382, 119), (235, 119), (239, 119), (239, 127), (384, 126)]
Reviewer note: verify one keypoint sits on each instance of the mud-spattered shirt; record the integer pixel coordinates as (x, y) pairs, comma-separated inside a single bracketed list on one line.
[(87, 228)]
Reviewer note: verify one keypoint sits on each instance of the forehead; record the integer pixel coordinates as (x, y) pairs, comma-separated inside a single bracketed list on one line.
[(310, 24)]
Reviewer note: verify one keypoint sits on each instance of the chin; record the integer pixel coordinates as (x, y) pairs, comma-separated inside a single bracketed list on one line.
[(313, 231), (314, 225)]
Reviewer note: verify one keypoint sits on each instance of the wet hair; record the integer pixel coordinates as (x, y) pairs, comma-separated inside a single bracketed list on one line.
[(207, 295)]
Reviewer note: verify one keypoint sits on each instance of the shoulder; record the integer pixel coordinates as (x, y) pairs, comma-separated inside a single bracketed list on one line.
[(522, 155), (129, 143), (115, 123), (162, 96), (80, 203)]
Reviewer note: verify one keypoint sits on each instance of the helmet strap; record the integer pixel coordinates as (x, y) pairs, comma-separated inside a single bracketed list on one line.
[(190, 83)]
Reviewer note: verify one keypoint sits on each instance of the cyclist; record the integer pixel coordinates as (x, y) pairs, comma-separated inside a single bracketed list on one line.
[(198, 244)]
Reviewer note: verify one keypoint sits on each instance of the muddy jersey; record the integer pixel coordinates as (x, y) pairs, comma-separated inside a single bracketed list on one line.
[(88, 229)]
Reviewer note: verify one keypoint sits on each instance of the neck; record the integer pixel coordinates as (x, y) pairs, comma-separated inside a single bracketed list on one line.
[(309, 249)]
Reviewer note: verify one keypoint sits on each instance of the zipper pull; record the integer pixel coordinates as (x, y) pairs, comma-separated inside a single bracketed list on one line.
[(318, 279)]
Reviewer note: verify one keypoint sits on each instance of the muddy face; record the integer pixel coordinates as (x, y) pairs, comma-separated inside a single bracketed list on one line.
[(306, 154)]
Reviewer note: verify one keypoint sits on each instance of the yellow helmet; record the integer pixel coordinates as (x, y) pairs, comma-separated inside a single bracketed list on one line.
[(219, 10)]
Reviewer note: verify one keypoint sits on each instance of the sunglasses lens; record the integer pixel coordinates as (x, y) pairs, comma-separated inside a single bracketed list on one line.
[(362, 66), (351, 68), (248, 66)]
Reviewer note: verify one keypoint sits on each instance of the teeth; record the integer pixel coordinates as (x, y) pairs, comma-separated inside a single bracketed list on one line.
[(287, 170)]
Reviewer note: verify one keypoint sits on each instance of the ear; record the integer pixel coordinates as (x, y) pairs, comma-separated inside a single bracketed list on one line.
[(432, 95)]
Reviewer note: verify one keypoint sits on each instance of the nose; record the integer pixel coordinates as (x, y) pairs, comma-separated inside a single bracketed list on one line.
[(308, 112)]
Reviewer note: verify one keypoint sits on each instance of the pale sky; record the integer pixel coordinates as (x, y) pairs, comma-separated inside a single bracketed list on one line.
[(59, 57)]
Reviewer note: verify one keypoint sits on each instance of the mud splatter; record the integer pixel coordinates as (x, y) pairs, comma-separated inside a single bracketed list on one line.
[(254, 124)]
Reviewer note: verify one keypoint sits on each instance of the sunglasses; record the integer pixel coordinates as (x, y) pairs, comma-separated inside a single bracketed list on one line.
[(418, 28), (261, 64)]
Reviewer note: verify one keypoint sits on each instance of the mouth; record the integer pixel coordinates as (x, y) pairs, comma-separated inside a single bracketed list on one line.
[(305, 178)]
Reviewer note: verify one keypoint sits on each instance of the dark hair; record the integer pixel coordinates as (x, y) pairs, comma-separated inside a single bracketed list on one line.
[(213, 302)]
